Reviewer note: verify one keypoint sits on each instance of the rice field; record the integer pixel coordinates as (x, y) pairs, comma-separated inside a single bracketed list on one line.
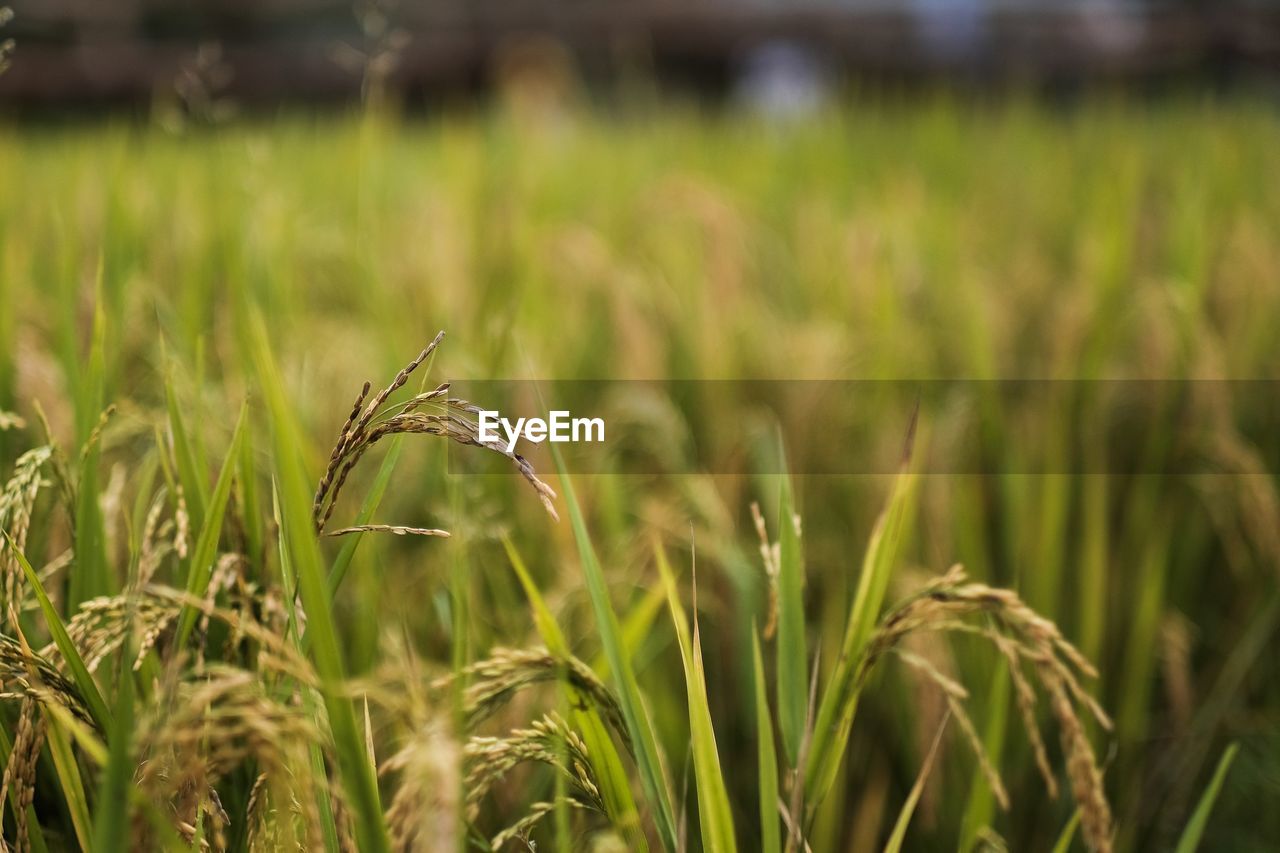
[(242, 611)]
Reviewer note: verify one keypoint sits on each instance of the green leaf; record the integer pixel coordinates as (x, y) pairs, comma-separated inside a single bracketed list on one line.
[(894, 844), (766, 759), (714, 812), (633, 711), (68, 773), (840, 699), (304, 551), (1063, 843), (614, 787), (636, 626), (250, 501), (793, 657), (84, 682), (324, 807), (1190, 840), (981, 807), (543, 619), (194, 487), (202, 556), (111, 828), (88, 578), (342, 562)]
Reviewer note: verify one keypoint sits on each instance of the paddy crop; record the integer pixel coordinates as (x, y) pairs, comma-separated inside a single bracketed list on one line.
[(1051, 634)]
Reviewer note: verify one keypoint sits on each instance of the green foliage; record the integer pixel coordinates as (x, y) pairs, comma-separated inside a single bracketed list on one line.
[(1194, 830), (715, 816), (639, 726), (284, 260)]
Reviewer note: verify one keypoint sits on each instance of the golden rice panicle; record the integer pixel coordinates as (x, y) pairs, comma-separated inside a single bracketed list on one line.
[(549, 741), (16, 503), (424, 809), (494, 681), (200, 731), (771, 555), (1024, 639), (369, 423), (20, 772)]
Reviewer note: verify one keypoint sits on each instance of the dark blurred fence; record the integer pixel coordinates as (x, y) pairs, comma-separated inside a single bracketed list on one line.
[(272, 50)]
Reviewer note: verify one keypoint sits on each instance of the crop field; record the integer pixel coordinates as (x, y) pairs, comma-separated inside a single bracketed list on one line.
[(240, 612)]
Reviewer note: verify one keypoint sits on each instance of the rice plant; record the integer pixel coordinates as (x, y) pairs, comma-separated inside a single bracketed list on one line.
[(223, 627)]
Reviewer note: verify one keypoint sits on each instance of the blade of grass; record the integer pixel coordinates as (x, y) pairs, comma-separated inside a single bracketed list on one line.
[(840, 699), (715, 817), (1063, 844), (84, 682), (894, 844), (202, 556), (299, 531), (793, 656), (194, 488), (324, 807), (111, 829), (372, 500), (250, 502), (981, 807), (1194, 830), (600, 748), (89, 577), (637, 719), (766, 758), (635, 626), (68, 773)]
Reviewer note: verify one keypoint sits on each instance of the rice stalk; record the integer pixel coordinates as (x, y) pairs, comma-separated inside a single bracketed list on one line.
[(549, 741), (491, 683), (200, 730), (20, 772), (16, 503), (368, 423), (1023, 638), (771, 556), (425, 807), (522, 828), (397, 529)]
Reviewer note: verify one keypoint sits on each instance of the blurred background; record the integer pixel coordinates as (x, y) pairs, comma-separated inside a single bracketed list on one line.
[(783, 55)]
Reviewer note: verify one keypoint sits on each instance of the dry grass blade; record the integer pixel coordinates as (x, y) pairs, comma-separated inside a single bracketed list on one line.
[(397, 529)]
